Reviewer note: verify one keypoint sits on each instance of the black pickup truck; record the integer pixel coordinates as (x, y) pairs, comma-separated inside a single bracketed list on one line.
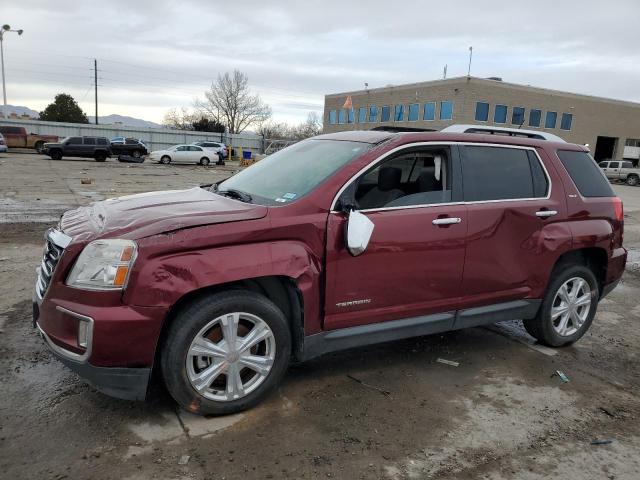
[(98, 148), (132, 147)]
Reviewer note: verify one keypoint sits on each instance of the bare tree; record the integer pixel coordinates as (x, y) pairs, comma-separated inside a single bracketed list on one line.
[(178, 119), (311, 127), (230, 102)]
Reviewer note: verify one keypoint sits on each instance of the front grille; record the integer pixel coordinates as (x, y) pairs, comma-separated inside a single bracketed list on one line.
[(52, 254)]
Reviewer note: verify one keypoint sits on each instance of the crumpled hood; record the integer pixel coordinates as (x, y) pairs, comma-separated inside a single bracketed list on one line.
[(145, 214)]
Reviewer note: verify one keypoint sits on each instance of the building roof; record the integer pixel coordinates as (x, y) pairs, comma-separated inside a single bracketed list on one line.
[(497, 83)]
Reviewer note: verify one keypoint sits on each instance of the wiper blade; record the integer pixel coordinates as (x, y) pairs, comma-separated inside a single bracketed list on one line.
[(233, 193)]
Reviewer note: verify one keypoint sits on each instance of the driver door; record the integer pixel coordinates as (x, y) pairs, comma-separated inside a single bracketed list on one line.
[(413, 263)]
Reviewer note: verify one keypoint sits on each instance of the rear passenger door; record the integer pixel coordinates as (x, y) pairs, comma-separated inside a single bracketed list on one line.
[(514, 223)]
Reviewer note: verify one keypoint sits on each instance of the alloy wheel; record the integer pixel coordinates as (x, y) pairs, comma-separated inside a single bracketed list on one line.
[(231, 356), (571, 306)]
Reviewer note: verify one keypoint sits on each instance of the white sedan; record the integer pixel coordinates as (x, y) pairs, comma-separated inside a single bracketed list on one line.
[(183, 154)]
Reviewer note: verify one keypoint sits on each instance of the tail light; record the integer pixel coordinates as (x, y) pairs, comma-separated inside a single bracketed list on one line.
[(619, 214)]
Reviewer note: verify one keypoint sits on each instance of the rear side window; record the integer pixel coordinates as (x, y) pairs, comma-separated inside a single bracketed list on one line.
[(495, 173), (89, 141), (586, 175)]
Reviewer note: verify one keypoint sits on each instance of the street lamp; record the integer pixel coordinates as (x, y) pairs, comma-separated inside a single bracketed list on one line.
[(5, 28)]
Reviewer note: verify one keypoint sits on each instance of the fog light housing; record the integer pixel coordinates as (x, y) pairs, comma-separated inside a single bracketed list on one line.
[(83, 334)]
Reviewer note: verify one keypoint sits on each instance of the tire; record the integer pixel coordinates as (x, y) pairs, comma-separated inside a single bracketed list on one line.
[(548, 330), (100, 157), (204, 161), (39, 146), (55, 155), (632, 180), (135, 154), (205, 317), (166, 160)]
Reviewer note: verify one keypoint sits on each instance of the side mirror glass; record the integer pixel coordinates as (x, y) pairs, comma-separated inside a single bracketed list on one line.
[(358, 232)]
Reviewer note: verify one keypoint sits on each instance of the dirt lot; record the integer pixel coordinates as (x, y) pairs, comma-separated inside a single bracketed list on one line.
[(502, 413)]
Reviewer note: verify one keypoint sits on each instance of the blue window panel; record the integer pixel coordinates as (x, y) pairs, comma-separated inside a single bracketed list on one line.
[(342, 116), (362, 115), (565, 122), (352, 115), (517, 117), (414, 109), (398, 114), (373, 113), (446, 110), (500, 114), (482, 111), (550, 120), (332, 117), (534, 117), (429, 111), (386, 113)]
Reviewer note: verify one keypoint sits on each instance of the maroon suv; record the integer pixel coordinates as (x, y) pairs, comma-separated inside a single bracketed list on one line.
[(338, 241)]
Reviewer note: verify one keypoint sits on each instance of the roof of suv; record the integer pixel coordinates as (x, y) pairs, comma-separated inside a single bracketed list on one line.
[(375, 137)]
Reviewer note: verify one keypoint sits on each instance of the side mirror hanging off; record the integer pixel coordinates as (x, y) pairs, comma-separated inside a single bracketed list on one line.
[(358, 230)]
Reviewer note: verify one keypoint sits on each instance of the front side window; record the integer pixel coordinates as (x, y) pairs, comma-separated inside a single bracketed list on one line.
[(74, 141), (373, 113), (429, 111), (417, 176), (482, 111), (550, 120), (362, 115), (332, 117), (182, 148), (534, 117), (386, 113), (446, 110), (496, 173), (293, 172), (414, 112), (565, 121), (342, 116), (517, 117), (586, 175), (398, 114), (500, 114)]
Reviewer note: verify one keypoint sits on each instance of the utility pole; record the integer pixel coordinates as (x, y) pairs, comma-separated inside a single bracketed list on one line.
[(95, 83), (5, 29), (470, 57)]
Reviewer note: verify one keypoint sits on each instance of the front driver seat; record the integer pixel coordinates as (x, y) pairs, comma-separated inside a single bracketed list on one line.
[(387, 190)]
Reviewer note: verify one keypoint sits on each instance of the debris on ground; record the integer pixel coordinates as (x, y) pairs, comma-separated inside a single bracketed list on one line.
[(381, 390), (86, 181), (562, 376), (448, 362), (184, 459), (605, 441)]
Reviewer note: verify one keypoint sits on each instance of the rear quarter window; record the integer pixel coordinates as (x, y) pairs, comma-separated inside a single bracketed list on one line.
[(585, 173)]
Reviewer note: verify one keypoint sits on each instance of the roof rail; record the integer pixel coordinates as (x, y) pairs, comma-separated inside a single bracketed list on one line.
[(402, 129), (510, 132)]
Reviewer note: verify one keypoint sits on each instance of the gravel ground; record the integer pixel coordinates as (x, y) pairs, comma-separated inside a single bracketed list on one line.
[(502, 413)]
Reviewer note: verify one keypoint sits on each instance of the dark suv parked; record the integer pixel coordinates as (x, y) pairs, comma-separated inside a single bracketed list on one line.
[(132, 147), (88, 147), (335, 242)]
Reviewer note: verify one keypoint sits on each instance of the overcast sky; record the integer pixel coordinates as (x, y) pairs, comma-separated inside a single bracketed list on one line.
[(154, 55)]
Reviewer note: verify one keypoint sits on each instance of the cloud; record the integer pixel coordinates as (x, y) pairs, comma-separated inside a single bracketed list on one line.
[(155, 55)]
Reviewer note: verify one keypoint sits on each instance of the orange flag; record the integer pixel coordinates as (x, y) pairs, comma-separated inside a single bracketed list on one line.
[(347, 103)]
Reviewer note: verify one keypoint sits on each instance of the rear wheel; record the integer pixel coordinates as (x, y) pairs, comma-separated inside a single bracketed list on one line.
[(568, 307), (55, 154), (204, 161), (135, 154), (633, 180), (100, 156), (225, 353), (166, 159)]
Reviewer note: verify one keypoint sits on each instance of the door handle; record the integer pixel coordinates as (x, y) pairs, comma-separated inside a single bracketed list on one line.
[(446, 221), (546, 213)]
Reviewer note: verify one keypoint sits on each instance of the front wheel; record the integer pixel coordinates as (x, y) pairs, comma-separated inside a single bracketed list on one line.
[(165, 160), (226, 352), (55, 155), (568, 307), (632, 180)]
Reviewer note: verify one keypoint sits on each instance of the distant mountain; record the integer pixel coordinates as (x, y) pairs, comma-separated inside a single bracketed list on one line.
[(16, 110), (124, 120)]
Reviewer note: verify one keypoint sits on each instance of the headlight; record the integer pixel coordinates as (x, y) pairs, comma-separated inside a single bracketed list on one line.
[(103, 265)]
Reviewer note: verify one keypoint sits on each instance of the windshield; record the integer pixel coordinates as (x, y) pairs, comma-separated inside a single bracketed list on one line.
[(294, 171)]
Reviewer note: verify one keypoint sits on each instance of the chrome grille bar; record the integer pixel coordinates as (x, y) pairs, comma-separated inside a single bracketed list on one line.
[(55, 243)]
